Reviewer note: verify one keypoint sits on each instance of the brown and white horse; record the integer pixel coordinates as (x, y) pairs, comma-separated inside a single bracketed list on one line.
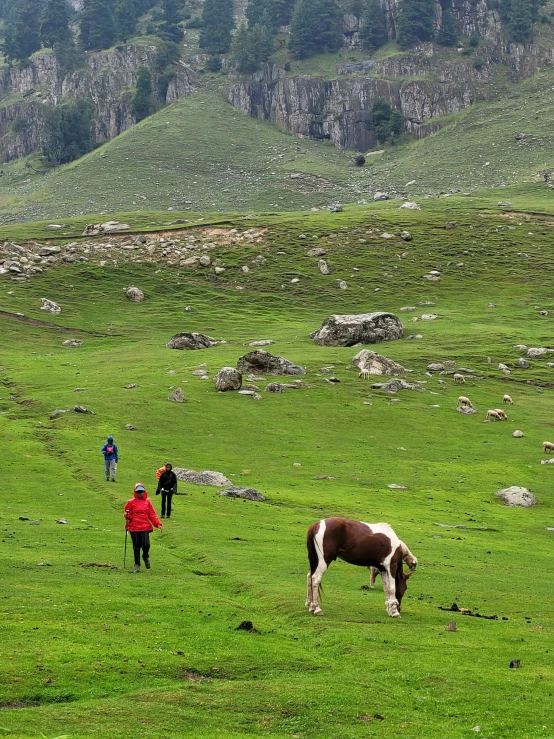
[(373, 545)]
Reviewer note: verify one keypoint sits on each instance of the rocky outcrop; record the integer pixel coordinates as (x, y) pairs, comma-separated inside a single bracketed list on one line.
[(192, 340), (107, 79), (228, 379), (261, 361), (371, 363), (363, 328)]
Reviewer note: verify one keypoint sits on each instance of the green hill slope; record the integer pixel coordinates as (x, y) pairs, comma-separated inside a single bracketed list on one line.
[(94, 651)]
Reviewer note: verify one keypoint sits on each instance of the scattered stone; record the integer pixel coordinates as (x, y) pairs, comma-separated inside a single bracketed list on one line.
[(515, 664), (130, 386), (392, 386), (247, 626), (505, 204), (543, 313), (50, 307), (256, 396), (317, 252), (415, 336), (341, 284), (61, 520), (386, 235), (199, 373), (204, 260), (336, 208), (192, 340), (72, 342), (547, 461), (57, 412), (517, 497), (323, 477), (380, 196), (207, 477), (260, 361), (177, 396), (371, 363), (246, 391), (54, 227), (34, 523), (466, 410), (244, 493), (295, 280), (451, 626), (435, 367), (407, 308), (364, 328), (502, 366), (323, 267), (393, 486), (94, 229), (274, 387), (406, 236), (520, 347), (523, 363), (82, 409), (449, 225), (410, 206), (228, 378), (219, 270), (517, 434), (431, 277), (49, 251), (491, 305), (130, 427), (533, 353), (134, 294), (429, 316)]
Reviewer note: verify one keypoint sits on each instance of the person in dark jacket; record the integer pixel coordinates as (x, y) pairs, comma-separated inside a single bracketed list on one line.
[(140, 517), (111, 458), (167, 486)]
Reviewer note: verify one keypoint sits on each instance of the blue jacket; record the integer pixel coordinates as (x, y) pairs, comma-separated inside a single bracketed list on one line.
[(114, 455)]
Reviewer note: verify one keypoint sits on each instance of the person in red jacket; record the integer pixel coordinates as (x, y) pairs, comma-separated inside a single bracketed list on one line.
[(140, 516)]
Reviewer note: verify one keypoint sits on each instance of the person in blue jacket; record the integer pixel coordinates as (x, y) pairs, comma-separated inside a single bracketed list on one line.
[(111, 458)]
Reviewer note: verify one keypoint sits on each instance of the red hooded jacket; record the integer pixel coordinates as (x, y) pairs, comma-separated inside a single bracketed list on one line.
[(140, 514)]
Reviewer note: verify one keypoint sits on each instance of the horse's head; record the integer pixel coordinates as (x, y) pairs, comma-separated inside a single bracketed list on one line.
[(401, 581)]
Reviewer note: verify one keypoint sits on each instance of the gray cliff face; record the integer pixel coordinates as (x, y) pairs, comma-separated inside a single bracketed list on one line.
[(340, 110), (107, 80)]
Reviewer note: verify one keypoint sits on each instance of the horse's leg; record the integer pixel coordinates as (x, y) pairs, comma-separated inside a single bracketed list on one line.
[(316, 582), (373, 572), (389, 586), (309, 596)]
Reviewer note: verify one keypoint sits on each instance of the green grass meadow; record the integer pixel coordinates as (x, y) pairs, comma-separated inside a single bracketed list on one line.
[(101, 652)]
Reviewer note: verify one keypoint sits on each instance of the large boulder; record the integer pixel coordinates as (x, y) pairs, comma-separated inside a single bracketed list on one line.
[(134, 294), (207, 477), (363, 328), (192, 340), (177, 396), (517, 497), (260, 361), (228, 378), (244, 493), (371, 363)]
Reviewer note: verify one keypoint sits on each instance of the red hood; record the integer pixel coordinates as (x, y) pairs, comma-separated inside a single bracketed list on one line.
[(145, 494)]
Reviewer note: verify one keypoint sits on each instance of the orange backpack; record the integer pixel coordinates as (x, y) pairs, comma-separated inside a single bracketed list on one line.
[(159, 472)]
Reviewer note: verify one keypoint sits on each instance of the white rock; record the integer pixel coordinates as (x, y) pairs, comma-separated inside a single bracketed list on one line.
[(204, 260), (517, 434), (134, 294), (50, 307), (411, 206), (429, 316), (516, 496), (219, 270)]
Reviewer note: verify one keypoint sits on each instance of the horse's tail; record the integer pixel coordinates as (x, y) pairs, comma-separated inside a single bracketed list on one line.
[(312, 551)]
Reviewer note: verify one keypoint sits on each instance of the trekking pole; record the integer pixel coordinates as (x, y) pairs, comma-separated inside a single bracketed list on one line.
[(125, 550)]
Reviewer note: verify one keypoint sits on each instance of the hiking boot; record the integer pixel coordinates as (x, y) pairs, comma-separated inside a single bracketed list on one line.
[(163, 516), (113, 480), (147, 564), (137, 568)]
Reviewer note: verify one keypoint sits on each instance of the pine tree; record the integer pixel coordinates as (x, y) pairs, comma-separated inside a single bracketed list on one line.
[(55, 23), (387, 122), (142, 99), (269, 13), (448, 32), (251, 47), (22, 34), (98, 29), (68, 132), (217, 25), (315, 28), (170, 29), (373, 32), (240, 49), (126, 19), (521, 21), (415, 22)]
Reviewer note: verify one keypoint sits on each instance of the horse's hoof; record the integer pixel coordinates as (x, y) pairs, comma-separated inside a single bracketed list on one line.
[(318, 612), (395, 615)]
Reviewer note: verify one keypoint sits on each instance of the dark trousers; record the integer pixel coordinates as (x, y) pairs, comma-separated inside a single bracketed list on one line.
[(141, 540), (166, 502)]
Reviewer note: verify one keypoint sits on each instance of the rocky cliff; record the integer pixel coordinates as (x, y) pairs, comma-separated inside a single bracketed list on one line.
[(107, 80), (425, 84)]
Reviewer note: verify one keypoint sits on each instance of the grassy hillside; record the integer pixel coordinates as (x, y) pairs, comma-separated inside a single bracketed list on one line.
[(98, 652)]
